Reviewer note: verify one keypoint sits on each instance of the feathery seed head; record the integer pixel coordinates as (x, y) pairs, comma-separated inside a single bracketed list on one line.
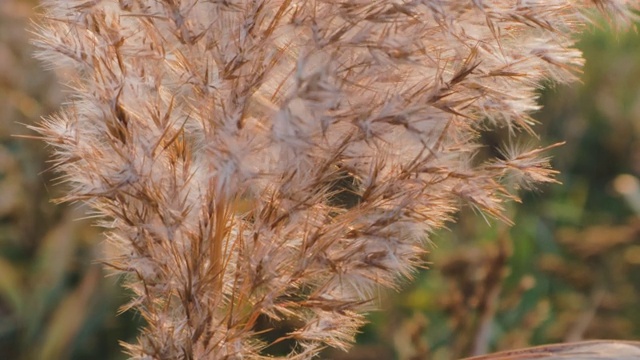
[(283, 159)]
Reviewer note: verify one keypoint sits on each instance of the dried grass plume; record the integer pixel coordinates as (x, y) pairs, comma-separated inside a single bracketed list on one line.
[(283, 159)]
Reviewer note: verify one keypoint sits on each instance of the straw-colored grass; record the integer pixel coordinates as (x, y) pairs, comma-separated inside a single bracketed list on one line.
[(284, 159)]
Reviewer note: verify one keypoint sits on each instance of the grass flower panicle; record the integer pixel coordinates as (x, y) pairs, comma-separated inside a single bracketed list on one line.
[(282, 159)]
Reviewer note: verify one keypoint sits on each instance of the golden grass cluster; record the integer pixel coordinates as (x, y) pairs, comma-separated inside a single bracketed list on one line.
[(282, 159)]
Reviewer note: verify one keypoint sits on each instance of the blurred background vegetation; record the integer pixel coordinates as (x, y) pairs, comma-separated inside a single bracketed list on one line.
[(568, 270)]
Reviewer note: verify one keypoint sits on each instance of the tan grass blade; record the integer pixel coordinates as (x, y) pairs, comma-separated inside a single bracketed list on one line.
[(584, 350)]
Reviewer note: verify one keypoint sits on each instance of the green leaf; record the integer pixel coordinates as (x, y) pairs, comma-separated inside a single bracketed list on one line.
[(68, 318), (10, 288)]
